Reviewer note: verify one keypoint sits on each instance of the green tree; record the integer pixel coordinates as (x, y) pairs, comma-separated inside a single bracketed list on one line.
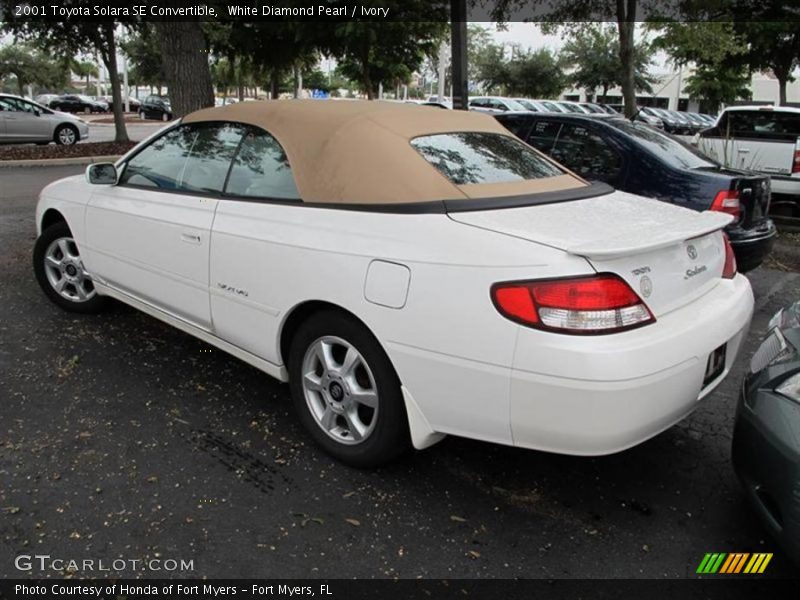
[(69, 37), (26, 65), (144, 56), (721, 73), (718, 84), (535, 75), (594, 56), (83, 69), (573, 17), (772, 46), (384, 52)]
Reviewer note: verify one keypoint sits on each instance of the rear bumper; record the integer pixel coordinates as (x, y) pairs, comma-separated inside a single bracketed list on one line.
[(751, 246), (766, 457), (599, 395)]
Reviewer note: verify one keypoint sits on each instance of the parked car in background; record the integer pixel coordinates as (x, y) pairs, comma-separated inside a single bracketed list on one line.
[(23, 121), (642, 116), (609, 109), (494, 104), (77, 103), (275, 232), (133, 103), (155, 107), (572, 107), (532, 105), (45, 99), (764, 139), (766, 435), (640, 160), (671, 124), (592, 108), (551, 106)]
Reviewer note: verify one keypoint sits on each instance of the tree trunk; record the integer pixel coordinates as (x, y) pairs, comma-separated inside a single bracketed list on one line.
[(626, 24), (605, 92), (273, 85), (185, 60), (782, 77), (109, 55)]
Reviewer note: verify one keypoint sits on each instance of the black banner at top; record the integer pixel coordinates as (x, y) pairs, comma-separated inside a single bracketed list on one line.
[(400, 10)]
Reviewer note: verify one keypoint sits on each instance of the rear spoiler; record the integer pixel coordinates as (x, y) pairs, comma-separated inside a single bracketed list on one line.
[(651, 237)]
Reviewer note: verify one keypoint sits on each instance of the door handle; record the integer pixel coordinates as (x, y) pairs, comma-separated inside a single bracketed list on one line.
[(190, 238), (744, 150)]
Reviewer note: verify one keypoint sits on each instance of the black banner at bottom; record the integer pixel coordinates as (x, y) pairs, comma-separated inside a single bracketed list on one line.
[(404, 589)]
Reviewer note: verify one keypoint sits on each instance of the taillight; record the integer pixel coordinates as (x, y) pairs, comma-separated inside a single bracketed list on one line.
[(727, 201), (592, 305), (729, 270), (796, 161)]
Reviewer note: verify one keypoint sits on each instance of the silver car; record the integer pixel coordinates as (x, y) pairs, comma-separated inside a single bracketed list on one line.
[(24, 121)]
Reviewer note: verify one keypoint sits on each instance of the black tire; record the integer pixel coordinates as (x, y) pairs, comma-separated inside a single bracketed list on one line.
[(57, 231), (165, 117), (390, 436), (61, 140)]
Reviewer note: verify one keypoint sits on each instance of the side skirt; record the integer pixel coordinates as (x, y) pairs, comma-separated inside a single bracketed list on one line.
[(277, 371)]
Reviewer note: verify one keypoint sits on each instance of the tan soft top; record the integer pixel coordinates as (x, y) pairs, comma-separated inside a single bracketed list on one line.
[(350, 151)]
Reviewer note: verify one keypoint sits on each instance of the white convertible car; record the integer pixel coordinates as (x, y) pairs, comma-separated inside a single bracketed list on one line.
[(411, 273)]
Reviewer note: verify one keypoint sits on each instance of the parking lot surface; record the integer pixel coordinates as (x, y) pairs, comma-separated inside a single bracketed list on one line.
[(123, 438)]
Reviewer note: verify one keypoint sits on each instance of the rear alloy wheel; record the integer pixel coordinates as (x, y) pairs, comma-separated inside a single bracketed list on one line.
[(66, 135), (59, 270), (141, 115), (346, 392), (87, 110), (165, 117)]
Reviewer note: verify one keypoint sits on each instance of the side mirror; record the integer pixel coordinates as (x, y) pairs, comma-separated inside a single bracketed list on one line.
[(101, 174)]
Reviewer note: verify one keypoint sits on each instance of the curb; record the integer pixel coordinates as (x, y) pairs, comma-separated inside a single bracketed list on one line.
[(53, 162)]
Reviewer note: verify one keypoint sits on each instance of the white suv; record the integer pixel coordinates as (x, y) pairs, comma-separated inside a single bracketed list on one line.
[(764, 139)]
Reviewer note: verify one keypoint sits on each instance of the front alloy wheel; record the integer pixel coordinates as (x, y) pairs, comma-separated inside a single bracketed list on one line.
[(60, 272)]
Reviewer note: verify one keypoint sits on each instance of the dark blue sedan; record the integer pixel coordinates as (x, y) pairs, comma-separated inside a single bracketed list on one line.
[(634, 157)]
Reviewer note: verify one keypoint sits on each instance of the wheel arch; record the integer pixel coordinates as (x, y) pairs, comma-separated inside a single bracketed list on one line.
[(420, 430), (299, 313), (50, 217)]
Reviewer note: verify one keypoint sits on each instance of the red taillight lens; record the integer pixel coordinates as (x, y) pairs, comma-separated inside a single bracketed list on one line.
[(729, 270), (583, 305), (796, 162), (727, 201)]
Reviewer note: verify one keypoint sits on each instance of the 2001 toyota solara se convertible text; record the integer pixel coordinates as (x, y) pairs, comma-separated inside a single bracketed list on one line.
[(411, 272)]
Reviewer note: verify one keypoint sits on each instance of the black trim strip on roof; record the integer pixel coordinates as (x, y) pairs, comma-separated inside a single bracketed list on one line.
[(590, 191)]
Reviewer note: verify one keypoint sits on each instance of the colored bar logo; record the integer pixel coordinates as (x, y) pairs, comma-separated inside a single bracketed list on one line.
[(734, 563)]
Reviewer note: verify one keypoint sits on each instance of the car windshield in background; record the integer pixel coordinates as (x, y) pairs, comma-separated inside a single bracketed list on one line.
[(514, 105), (466, 158), (668, 148)]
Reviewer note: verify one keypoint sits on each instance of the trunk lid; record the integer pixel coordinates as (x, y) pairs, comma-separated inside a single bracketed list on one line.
[(669, 255)]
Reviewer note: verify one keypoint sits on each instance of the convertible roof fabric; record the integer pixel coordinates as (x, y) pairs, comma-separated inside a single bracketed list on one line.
[(359, 152)]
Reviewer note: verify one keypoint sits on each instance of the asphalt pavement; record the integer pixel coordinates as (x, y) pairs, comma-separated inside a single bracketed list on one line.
[(123, 438)]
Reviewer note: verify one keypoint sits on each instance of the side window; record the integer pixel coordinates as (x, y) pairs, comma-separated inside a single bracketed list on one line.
[(586, 153), (261, 169), (516, 124), (210, 158), (543, 135), (193, 158)]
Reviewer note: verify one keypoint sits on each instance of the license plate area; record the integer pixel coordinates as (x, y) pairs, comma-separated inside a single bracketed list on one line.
[(715, 365)]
